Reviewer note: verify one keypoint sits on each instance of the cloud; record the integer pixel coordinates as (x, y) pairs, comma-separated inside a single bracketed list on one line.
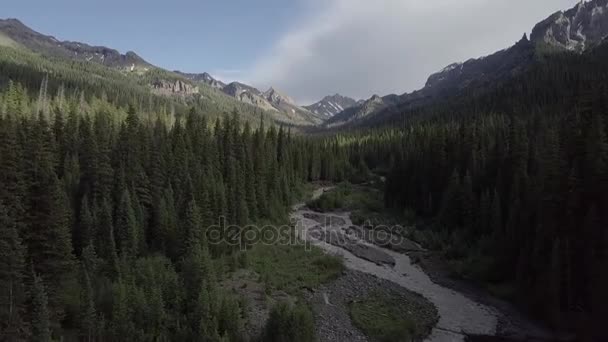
[(360, 47)]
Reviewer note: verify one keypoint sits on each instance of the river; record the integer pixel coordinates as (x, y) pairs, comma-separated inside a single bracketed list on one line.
[(458, 315)]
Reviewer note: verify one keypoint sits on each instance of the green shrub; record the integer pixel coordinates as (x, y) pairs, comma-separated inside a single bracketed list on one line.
[(293, 267), (380, 319), (289, 324)]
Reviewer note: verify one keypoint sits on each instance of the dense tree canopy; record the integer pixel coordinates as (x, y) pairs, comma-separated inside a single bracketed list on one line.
[(106, 202)]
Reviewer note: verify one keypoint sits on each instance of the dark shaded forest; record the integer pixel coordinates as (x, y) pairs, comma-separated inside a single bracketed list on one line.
[(511, 184)]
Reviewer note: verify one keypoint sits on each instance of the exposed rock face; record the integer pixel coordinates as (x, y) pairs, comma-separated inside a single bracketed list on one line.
[(235, 89), (271, 100), (363, 110), (256, 100), (276, 98), (203, 78), (501, 64), (332, 105), (50, 46), (15, 34), (287, 105), (577, 29), (178, 87)]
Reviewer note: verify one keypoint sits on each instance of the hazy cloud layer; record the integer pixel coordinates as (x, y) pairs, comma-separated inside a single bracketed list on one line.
[(361, 47)]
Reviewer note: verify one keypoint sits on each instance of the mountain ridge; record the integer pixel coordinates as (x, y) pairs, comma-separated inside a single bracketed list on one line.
[(556, 33), (331, 105), (14, 34), (53, 47)]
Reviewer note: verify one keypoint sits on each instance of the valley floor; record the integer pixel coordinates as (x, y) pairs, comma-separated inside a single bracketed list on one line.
[(463, 310)]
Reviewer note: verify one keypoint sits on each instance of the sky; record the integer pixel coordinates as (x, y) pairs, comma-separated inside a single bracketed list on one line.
[(306, 48)]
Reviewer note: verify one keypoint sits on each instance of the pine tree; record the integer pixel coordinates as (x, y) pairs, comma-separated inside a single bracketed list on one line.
[(193, 229), (41, 324), (469, 204), (127, 227), (122, 326), (88, 319), (156, 316), (452, 202), (85, 232), (106, 242), (12, 289)]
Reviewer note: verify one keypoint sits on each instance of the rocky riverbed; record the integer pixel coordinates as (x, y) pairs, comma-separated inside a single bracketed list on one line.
[(459, 315), (331, 303)]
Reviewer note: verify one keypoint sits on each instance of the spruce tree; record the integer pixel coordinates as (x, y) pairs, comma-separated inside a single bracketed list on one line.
[(88, 312), (127, 227), (41, 323), (12, 289)]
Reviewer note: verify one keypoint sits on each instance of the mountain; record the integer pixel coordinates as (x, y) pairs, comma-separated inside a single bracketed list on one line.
[(203, 78), (362, 110), (277, 98), (17, 34), (129, 68), (331, 105), (575, 30), (449, 81), (247, 94), (271, 100), (287, 105)]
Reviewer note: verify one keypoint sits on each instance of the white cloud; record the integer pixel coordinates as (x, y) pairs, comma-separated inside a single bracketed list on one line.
[(362, 47)]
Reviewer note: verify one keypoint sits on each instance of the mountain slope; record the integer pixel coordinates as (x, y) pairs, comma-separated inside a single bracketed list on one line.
[(331, 105), (50, 46), (576, 30), (362, 110), (271, 100), (203, 78), (123, 74), (287, 105)]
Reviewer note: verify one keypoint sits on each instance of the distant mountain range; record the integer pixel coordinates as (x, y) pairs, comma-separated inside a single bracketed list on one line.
[(576, 30), (331, 105), (15, 34)]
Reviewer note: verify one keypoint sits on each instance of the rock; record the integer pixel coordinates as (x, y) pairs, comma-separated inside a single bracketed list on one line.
[(333, 322), (577, 29), (177, 87)]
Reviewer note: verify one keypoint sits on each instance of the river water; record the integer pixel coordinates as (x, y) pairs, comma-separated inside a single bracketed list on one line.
[(458, 315)]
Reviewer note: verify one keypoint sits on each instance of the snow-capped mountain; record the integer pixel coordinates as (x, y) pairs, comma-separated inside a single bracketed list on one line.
[(331, 105)]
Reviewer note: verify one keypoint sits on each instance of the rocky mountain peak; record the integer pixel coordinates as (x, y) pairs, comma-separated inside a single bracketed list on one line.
[(274, 96), (12, 22), (331, 105), (235, 89), (577, 29), (205, 78)]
